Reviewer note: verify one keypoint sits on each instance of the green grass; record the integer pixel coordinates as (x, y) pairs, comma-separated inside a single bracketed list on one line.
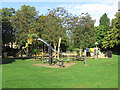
[(100, 73)]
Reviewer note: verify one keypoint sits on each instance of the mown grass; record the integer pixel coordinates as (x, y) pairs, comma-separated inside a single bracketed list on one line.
[(100, 73)]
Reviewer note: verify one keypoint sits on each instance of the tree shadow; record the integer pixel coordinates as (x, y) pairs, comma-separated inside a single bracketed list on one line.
[(116, 53), (11, 60), (7, 60)]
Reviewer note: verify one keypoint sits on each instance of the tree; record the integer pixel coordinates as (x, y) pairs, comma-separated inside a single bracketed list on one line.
[(53, 26), (101, 32), (113, 35), (104, 20), (7, 29), (23, 21), (102, 29), (83, 31)]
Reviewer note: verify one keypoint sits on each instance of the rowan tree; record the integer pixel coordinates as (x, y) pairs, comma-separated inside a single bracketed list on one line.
[(23, 21), (83, 31), (53, 26)]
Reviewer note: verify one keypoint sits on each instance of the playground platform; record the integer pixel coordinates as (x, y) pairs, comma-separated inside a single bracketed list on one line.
[(70, 55)]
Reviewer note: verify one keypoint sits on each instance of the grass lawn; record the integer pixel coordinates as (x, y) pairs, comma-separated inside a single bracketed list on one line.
[(100, 73)]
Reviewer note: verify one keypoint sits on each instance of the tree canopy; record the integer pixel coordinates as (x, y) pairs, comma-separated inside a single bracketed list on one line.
[(83, 31), (104, 20), (101, 30), (75, 31), (23, 21), (7, 28), (113, 35)]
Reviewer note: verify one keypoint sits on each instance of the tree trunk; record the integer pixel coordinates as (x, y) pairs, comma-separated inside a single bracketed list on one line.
[(27, 51)]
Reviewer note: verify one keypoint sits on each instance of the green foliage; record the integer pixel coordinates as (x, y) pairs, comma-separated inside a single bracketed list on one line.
[(75, 31), (83, 31), (23, 21), (52, 30), (101, 32), (52, 26), (102, 29), (7, 29), (104, 20), (113, 35)]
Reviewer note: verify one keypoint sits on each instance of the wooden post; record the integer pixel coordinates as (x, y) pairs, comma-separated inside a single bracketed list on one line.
[(43, 47), (96, 56), (38, 50), (21, 50), (43, 50), (55, 50), (85, 57), (50, 54), (62, 63), (58, 48), (80, 53), (96, 51)]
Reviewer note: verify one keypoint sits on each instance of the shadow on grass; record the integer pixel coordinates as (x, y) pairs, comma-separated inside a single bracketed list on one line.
[(116, 53), (7, 60), (10, 60)]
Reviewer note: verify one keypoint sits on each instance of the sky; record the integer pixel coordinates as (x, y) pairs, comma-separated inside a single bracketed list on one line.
[(96, 8)]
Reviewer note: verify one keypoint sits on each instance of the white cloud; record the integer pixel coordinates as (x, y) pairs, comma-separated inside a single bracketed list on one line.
[(58, 0), (96, 10)]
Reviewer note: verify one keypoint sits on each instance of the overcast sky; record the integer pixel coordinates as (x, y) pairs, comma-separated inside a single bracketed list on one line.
[(96, 8)]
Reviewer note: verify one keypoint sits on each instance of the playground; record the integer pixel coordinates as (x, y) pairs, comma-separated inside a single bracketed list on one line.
[(100, 73), (45, 69), (58, 49), (35, 66), (52, 57), (88, 69)]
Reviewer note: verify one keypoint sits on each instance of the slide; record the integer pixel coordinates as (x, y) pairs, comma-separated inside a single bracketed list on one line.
[(47, 44), (41, 41), (20, 51)]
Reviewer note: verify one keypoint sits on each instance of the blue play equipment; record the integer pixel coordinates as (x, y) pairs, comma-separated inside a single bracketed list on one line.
[(87, 49), (48, 45)]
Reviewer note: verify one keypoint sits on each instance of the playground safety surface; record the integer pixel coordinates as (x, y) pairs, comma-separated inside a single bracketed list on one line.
[(54, 66)]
